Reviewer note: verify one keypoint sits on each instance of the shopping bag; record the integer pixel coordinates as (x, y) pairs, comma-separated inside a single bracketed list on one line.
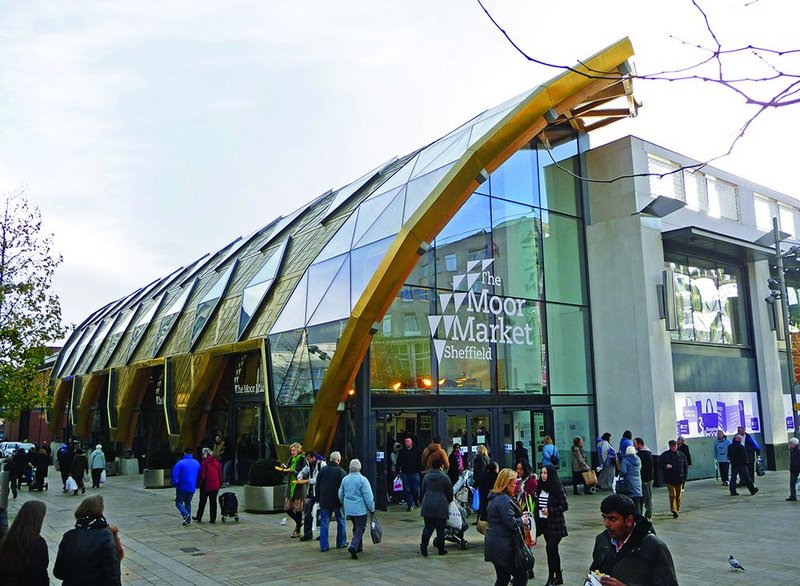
[(482, 526), (761, 469), (71, 484), (589, 477), (102, 476), (398, 484), (523, 556), (476, 500), (375, 530), (454, 516)]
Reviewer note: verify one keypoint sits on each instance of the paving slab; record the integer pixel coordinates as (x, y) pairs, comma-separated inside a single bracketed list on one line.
[(758, 530)]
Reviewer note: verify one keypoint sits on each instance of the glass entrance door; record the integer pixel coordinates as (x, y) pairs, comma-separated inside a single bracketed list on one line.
[(469, 429), (392, 428), (523, 435)]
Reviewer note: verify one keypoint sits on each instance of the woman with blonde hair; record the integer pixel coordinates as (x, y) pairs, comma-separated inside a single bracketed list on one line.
[(505, 518), (295, 494), (479, 464)]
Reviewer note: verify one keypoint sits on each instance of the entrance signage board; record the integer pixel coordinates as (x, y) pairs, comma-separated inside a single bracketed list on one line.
[(469, 334)]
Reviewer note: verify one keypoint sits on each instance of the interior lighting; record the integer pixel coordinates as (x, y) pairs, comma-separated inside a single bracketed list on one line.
[(427, 382), (396, 386), (351, 392)]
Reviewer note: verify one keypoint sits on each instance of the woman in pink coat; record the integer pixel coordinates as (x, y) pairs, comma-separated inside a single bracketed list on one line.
[(209, 482)]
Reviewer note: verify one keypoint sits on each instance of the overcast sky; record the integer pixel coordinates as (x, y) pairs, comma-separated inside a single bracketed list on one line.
[(149, 133)]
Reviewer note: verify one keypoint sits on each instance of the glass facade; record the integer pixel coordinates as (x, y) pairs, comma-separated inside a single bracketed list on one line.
[(710, 301)]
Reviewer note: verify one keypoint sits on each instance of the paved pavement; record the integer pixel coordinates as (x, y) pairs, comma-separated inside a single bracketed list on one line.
[(758, 530)]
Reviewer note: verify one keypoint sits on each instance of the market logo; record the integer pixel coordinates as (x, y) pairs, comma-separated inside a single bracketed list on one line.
[(478, 336)]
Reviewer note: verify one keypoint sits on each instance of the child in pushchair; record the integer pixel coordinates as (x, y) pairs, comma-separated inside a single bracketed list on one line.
[(462, 490)]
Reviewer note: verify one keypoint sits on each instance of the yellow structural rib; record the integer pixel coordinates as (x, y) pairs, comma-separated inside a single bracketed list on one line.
[(566, 92)]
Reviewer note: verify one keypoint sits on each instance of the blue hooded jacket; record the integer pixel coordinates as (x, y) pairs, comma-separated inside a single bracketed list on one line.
[(185, 473)]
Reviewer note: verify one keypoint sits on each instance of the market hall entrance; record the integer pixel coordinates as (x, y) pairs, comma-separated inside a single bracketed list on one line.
[(497, 428)]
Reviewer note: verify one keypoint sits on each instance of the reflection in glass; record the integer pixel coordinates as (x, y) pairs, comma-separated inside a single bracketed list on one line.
[(560, 169), (400, 354), (568, 353), (258, 287), (341, 242), (464, 354), (444, 151), (707, 295), (206, 306), (293, 315), (335, 303), (563, 259), (420, 188), (385, 225), (168, 320), (465, 238), (518, 178), (364, 262), (520, 367), (516, 234)]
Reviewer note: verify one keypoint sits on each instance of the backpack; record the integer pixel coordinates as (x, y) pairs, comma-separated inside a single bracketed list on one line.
[(554, 459)]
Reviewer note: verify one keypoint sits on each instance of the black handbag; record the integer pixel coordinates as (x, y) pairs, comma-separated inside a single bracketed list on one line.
[(623, 486), (375, 529), (523, 556)]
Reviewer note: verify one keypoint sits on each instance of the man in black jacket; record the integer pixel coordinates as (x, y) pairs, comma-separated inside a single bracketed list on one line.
[(409, 465), (738, 459), (751, 448), (328, 481), (628, 551), (673, 469), (648, 473)]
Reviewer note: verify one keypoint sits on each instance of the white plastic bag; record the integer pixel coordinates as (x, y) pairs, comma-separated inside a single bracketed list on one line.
[(102, 476), (71, 484), (454, 516)]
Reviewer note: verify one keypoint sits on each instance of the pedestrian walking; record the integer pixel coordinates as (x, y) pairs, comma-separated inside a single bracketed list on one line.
[(294, 500), (80, 466), (355, 493), (737, 455), (485, 487), (437, 494), (550, 455), (184, 479), (455, 464), (624, 443), (97, 462), (329, 480), (526, 486), (628, 551), (608, 462), (433, 450), (409, 466), (673, 469), (12, 467), (209, 482), (90, 553), (579, 465), (479, 464), (521, 453), (683, 448), (647, 475), (308, 477), (794, 467), (23, 552), (630, 471), (721, 444), (551, 504), (752, 450), (64, 457), (505, 518)]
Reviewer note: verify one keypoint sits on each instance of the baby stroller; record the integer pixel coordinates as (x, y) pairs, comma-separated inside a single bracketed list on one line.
[(462, 491), (228, 506), (454, 535)]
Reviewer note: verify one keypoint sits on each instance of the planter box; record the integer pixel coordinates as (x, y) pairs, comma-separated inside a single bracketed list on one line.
[(157, 478), (112, 468), (128, 467), (264, 499)]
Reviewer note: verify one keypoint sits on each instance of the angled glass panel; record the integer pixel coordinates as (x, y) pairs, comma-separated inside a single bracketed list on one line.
[(484, 125), (387, 224), (293, 315), (116, 335), (518, 178), (517, 246), (438, 154), (400, 178), (341, 241), (206, 305), (142, 324), (364, 261), (292, 370), (169, 318), (420, 188), (66, 352), (95, 344), (321, 276), (79, 350), (560, 188), (348, 190), (259, 286), (564, 264), (369, 211), (335, 303)]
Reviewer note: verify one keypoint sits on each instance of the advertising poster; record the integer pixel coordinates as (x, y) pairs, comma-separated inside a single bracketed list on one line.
[(702, 414), (787, 412)]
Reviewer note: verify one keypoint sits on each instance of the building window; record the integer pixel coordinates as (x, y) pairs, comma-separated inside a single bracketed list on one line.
[(450, 263), (665, 178), (767, 208), (710, 307)]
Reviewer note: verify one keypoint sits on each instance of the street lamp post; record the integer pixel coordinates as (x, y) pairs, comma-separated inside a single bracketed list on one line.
[(785, 315)]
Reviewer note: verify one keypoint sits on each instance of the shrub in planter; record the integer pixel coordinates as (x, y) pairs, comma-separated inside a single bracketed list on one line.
[(263, 473)]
